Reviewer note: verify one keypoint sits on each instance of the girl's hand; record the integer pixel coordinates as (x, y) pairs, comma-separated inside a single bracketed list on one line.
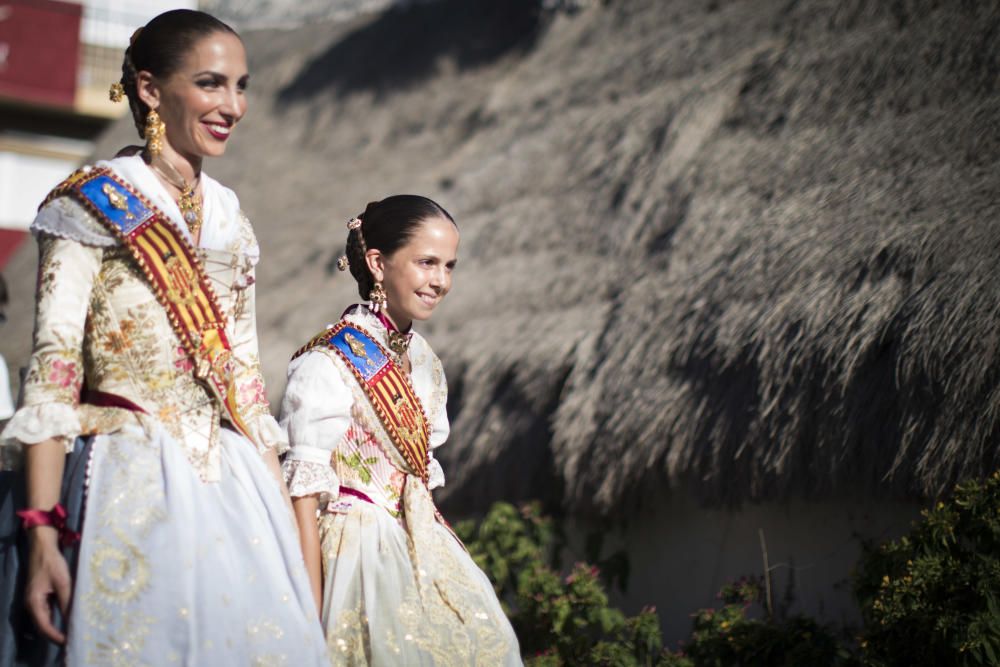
[(48, 577)]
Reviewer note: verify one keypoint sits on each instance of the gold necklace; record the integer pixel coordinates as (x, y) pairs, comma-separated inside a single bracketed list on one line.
[(189, 205), (399, 343)]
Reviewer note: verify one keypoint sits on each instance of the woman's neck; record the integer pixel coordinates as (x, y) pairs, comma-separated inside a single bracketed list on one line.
[(188, 167), (400, 324)]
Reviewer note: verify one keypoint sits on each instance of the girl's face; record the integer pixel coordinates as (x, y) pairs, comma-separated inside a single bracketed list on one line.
[(418, 276), (201, 102)]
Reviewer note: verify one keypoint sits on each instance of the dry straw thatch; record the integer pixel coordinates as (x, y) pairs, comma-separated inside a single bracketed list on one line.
[(744, 249)]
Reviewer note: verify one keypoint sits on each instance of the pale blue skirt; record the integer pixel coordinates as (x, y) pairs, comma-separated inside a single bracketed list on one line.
[(175, 571)]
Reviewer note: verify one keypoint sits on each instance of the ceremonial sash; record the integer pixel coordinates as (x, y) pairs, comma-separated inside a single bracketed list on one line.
[(385, 385), (172, 269)]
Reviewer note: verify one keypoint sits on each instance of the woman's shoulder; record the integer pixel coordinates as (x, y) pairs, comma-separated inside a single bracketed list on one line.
[(62, 214), (225, 194), (232, 229)]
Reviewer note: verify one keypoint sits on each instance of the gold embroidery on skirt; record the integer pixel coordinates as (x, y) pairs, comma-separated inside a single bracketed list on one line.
[(348, 639), (120, 569), (443, 613)]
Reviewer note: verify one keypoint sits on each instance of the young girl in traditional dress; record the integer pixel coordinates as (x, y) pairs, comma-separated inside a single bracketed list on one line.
[(145, 342), (365, 409)]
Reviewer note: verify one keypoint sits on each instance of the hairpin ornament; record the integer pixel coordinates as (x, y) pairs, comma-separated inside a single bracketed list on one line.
[(342, 263), (354, 223)]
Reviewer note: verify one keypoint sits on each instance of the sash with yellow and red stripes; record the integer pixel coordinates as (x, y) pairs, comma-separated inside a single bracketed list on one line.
[(172, 269), (389, 391)]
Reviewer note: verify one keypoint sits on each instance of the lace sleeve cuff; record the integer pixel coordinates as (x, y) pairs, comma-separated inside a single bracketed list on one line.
[(305, 478), (267, 434), (33, 424)]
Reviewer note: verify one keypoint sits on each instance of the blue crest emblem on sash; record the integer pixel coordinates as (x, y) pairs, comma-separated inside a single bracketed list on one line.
[(119, 206), (363, 353)]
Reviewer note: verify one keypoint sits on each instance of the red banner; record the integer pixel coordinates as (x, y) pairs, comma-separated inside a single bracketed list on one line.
[(39, 51), (10, 241)]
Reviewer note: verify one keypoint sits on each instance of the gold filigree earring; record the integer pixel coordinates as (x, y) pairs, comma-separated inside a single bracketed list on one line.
[(117, 92), (378, 297), (155, 129)]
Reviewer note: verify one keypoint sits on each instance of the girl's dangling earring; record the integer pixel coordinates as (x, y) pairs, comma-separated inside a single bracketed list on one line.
[(378, 298), (155, 130)]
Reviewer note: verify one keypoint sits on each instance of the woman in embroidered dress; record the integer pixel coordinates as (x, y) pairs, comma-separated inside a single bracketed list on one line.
[(188, 552), (393, 583)]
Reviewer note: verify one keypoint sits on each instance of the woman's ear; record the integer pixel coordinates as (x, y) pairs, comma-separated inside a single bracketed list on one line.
[(376, 265), (148, 91)]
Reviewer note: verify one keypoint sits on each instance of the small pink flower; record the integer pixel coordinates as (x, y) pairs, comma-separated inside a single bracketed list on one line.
[(63, 373), (253, 392)]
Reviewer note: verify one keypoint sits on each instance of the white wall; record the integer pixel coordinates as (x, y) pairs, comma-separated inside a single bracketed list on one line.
[(111, 22), (681, 554), (24, 182)]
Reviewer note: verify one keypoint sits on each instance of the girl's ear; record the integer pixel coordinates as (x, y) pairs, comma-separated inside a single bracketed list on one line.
[(376, 264), (149, 91)]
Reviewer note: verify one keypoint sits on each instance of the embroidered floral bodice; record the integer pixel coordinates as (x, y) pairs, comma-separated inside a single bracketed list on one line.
[(338, 440), (99, 327)]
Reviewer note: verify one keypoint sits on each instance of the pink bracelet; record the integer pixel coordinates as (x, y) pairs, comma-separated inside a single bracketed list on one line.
[(56, 517)]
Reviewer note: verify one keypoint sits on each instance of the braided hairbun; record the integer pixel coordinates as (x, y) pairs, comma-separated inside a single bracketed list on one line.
[(356, 251)]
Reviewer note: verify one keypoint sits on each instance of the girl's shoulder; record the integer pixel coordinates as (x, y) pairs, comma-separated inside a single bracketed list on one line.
[(318, 363), (422, 355)]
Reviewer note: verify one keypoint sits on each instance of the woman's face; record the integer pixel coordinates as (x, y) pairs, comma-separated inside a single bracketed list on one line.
[(418, 276), (202, 101)]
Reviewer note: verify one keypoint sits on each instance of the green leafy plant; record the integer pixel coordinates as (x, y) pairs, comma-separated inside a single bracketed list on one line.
[(559, 620), (732, 636), (567, 620), (933, 596)]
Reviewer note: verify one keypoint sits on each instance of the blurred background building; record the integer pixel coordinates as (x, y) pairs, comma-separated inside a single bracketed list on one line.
[(57, 60)]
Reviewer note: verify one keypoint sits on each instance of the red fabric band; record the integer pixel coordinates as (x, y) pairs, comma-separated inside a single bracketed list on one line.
[(56, 517), (103, 399), (348, 491)]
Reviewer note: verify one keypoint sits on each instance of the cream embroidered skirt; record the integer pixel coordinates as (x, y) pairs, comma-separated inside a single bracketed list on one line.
[(175, 571), (376, 613)]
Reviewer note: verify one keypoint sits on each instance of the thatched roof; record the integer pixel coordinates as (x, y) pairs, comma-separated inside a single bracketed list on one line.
[(743, 249)]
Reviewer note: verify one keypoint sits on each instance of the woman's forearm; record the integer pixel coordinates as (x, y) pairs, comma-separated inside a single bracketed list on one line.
[(49, 582), (44, 463), (305, 516)]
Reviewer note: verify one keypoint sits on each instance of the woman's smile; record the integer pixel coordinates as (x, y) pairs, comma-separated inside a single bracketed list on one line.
[(219, 131)]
